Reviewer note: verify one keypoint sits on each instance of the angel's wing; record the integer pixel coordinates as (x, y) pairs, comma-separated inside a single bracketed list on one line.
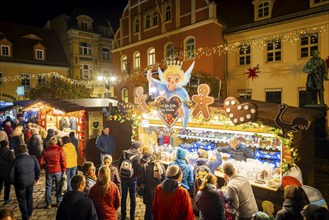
[(187, 76)]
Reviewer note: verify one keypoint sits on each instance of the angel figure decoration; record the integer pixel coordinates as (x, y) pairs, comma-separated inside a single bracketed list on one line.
[(171, 86)]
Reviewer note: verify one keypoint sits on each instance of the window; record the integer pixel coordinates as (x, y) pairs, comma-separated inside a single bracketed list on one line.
[(124, 63), (25, 80), (190, 45), (5, 50), (105, 54), (1, 79), (147, 22), (124, 95), (137, 60), (244, 55), (308, 44), (86, 71), (304, 98), (273, 95), (39, 54), (85, 48), (315, 3), (263, 10), (84, 25), (151, 57), (168, 14), (244, 93), (169, 50), (274, 51), (137, 26), (155, 19), (41, 79)]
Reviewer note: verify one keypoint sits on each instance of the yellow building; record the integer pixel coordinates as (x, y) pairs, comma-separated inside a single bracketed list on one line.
[(275, 39), (88, 49), (27, 55)]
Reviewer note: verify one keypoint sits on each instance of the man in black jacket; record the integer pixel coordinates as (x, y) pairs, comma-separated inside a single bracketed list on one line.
[(24, 172), (76, 205)]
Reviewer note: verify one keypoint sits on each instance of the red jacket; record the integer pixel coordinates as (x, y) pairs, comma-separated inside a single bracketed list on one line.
[(174, 205), (53, 159), (108, 204)]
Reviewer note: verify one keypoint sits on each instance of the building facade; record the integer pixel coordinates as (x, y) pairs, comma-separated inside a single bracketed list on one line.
[(87, 46), (27, 56), (152, 32)]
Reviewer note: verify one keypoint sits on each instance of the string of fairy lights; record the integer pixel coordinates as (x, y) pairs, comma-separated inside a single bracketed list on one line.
[(258, 42)]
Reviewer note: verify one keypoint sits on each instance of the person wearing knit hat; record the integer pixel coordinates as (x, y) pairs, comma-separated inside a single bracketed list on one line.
[(105, 142), (129, 184), (188, 176), (171, 200), (115, 177), (204, 161)]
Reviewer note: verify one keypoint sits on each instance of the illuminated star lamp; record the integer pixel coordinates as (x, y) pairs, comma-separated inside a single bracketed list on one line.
[(252, 72)]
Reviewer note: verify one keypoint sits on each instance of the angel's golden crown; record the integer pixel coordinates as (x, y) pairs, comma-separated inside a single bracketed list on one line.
[(174, 62)]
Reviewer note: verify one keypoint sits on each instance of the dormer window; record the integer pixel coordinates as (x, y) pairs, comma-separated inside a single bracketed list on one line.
[(39, 52), (316, 3), (85, 22), (262, 9), (5, 50)]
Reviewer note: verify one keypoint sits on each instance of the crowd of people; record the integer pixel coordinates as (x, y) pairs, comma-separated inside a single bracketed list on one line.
[(175, 191)]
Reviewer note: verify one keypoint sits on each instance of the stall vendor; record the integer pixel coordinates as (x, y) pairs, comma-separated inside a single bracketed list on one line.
[(237, 150)]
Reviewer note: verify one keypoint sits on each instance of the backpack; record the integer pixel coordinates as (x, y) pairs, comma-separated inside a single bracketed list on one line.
[(126, 167), (200, 173)]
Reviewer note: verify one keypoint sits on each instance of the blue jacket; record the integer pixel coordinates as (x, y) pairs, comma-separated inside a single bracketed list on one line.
[(242, 152), (24, 170), (105, 144), (188, 179)]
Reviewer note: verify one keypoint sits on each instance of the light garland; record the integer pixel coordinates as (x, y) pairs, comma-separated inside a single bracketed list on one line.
[(259, 43)]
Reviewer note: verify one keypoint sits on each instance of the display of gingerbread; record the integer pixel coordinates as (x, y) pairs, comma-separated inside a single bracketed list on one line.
[(202, 101), (140, 99)]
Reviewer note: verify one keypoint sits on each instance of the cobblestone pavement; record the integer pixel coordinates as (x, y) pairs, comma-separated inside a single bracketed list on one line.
[(39, 213)]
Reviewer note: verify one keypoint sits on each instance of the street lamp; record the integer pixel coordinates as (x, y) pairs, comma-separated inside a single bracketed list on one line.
[(109, 80)]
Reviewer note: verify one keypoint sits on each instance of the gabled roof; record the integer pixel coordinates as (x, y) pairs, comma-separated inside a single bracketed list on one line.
[(23, 38)]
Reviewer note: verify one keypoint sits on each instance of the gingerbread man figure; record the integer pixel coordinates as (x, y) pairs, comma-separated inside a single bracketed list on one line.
[(202, 101), (140, 99)]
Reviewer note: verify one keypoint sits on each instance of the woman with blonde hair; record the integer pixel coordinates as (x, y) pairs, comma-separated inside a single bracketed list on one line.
[(209, 201), (17, 138), (105, 195)]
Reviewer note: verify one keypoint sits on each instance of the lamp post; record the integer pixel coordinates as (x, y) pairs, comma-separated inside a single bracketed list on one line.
[(109, 80)]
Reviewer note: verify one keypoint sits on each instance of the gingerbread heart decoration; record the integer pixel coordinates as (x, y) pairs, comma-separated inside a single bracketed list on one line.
[(168, 109), (124, 107), (240, 113)]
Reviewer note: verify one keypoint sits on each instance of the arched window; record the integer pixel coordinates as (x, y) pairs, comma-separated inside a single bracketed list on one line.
[(155, 19), (168, 14), (137, 26), (151, 56), (124, 61), (137, 60), (147, 21), (124, 95), (169, 50), (190, 48)]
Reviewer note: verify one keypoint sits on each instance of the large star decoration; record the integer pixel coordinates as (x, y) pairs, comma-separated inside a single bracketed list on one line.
[(327, 61), (252, 72)]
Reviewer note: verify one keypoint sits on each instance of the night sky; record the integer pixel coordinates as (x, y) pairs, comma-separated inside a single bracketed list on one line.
[(38, 12)]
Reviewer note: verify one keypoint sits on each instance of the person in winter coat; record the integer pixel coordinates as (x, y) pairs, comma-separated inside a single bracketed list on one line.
[(50, 134), (105, 195), (35, 143), (76, 205), (188, 176), (6, 156), (295, 199), (171, 200), (74, 141), (105, 143), (115, 177), (17, 138), (153, 174), (54, 163), (89, 171), (203, 160), (129, 184), (209, 201), (237, 149), (24, 173), (71, 160)]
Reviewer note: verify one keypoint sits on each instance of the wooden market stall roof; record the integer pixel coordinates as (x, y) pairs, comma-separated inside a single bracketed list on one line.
[(71, 105)]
